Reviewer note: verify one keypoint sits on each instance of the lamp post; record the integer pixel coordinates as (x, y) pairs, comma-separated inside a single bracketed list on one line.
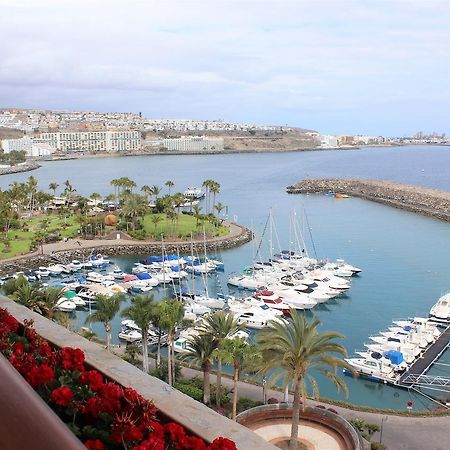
[(383, 419)]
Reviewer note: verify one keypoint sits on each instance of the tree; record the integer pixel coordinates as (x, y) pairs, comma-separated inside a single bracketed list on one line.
[(107, 308), (172, 315), (221, 326), (235, 351), (219, 207), (294, 350), (170, 184), (155, 220), (49, 299), (147, 192), (141, 311), (201, 350), (53, 186), (27, 295), (197, 214), (214, 189), (155, 190), (133, 207)]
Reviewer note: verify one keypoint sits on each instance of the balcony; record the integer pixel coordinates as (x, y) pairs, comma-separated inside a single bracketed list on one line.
[(26, 422)]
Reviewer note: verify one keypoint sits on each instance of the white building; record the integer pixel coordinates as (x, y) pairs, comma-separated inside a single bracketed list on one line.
[(328, 141), (193, 144), (93, 141), (31, 147)]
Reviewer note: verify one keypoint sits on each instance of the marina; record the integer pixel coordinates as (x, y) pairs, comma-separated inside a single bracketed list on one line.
[(398, 279)]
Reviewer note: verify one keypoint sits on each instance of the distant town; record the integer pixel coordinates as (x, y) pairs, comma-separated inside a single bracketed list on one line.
[(52, 134)]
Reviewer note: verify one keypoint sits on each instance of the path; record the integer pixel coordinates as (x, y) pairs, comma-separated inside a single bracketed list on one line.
[(398, 432)]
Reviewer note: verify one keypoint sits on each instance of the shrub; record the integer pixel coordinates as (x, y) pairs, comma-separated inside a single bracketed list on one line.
[(161, 372), (377, 446), (245, 403), (273, 401), (192, 391)]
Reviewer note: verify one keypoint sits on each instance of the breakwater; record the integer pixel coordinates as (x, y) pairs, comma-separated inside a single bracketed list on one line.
[(19, 168), (239, 235), (417, 199)]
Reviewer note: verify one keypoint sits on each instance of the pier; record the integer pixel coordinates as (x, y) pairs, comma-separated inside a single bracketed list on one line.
[(416, 375)]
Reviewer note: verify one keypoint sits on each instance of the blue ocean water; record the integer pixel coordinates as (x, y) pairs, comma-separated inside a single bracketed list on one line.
[(405, 257)]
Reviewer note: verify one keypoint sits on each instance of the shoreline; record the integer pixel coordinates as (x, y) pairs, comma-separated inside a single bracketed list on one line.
[(228, 151), (421, 200), (82, 249)]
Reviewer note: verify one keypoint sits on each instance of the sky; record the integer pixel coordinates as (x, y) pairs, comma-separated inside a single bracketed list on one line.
[(336, 66)]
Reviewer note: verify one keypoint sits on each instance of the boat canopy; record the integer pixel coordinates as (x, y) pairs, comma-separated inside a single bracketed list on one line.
[(143, 276), (394, 356)]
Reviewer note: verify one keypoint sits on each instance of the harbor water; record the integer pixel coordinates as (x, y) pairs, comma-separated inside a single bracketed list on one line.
[(405, 257)]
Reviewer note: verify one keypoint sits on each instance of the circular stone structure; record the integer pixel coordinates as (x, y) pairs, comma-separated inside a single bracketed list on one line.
[(319, 429)]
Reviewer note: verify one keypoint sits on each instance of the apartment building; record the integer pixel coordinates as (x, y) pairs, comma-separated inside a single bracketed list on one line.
[(193, 144), (93, 141), (31, 147)]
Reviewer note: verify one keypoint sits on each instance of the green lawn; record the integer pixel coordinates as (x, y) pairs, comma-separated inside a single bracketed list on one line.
[(20, 240), (183, 227)]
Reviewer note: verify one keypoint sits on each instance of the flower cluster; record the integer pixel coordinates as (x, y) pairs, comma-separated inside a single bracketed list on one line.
[(102, 414)]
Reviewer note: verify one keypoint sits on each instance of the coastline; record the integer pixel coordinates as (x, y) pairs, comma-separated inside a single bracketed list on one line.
[(82, 249), (417, 199)]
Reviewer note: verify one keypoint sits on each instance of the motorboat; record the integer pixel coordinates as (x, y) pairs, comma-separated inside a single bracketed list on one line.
[(195, 193), (55, 270), (75, 265), (65, 305), (43, 272), (117, 273), (440, 312), (390, 343), (391, 358), (426, 325), (130, 335), (245, 282), (95, 277), (407, 337), (408, 357), (372, 369), (71, 295)]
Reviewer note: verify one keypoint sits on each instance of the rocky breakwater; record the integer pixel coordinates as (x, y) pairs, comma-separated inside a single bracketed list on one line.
[(421, 200), (24, 167), (239, 235)]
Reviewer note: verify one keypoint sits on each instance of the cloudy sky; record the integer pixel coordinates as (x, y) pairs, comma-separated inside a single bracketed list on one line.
[(337, 66)]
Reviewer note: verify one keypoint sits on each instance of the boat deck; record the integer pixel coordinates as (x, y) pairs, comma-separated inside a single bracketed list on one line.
[(422, 365)]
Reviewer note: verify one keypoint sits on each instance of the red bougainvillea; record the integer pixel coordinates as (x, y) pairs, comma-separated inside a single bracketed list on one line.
[(104, 415)]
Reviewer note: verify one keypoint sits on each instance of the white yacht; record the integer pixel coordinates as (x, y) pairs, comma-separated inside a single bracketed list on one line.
[(373, 369), (195, 193), (440, 312), (95, 277), (65, 305), (43, 272)]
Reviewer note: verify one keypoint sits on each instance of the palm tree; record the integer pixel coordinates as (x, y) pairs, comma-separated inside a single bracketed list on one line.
[(293, 350), (235, 351), (32, 189), (147, 191), (155, 220), (49, 299), (214, 189), (155, 190), (27, 295), (159, 323), (219, 207), (141, 311), (107, 308), (201, 350), (197, 213), (178, 200), (170, 184), (53, 186), (172, 313), (221, 326)]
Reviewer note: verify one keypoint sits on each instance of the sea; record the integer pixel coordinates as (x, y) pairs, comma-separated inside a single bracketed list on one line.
[(405, 257)]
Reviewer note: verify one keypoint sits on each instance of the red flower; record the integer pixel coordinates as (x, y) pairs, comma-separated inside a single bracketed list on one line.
[(30, 334), (61, 396), (12, 323), (222, 443), (41, 347), (18, 347), (132, 434), (38, 376), (152, 443), (131, 396), (22, 362), (72, 359), (92, 378), (94, 444), (175, 431), (111, 391), (191, 443)]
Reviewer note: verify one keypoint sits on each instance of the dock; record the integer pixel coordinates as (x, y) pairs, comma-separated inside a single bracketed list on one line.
[(420, 367)]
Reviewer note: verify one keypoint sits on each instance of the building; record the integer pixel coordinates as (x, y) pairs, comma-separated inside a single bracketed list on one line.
[(93, 141), (32, 147), (193, 144)]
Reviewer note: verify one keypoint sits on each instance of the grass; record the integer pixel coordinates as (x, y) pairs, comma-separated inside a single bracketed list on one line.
[(20, 240), (183, 227)]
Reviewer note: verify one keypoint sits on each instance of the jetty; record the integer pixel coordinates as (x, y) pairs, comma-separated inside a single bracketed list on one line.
[(416, 375), (417, 199)]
